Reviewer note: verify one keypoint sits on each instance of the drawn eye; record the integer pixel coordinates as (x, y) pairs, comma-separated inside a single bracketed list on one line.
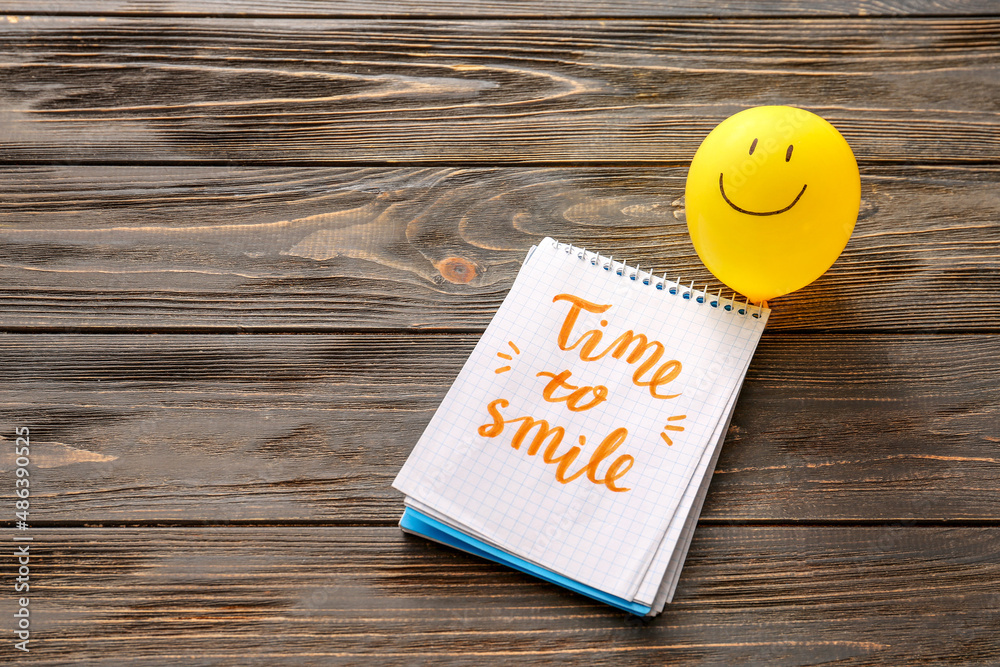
[(753, 146), (788, 153)]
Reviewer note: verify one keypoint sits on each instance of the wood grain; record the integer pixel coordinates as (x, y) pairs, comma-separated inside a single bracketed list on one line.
[(118, 89), (371, 172), (501, 9), (286, 249), (147, 429), (748, 595)]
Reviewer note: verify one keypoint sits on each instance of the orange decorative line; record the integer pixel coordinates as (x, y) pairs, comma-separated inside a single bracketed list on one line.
[(671, 427), (504, 369)]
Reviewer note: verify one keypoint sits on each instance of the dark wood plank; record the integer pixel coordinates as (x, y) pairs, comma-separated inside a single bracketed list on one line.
[(160, 248), (748, 595), (292, 428), (501, 9), (285, 91)]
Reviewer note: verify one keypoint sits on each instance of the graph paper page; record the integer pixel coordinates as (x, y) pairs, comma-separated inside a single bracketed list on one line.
[(576, 425)]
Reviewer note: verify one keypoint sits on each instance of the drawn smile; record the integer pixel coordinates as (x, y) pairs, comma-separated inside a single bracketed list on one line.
[(722, 189)]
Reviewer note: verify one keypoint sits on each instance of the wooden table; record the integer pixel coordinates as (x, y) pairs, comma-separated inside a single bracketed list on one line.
[(245, 247)]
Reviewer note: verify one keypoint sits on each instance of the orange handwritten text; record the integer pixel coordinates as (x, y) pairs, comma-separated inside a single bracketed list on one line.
[(599, 393), (551, 437), (589, 340)]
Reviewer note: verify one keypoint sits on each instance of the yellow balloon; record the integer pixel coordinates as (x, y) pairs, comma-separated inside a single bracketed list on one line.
[(771, 199)]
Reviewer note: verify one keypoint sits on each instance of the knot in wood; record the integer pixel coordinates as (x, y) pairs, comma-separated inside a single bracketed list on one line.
[(456, 270)]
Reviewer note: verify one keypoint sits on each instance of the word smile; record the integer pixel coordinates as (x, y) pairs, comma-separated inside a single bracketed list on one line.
[(551, 437)]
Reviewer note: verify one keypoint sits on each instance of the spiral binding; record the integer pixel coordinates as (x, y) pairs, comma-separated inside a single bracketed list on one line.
[(673, 287)]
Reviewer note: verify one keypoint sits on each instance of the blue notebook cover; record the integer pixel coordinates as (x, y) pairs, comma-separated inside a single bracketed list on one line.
[(416, 522)]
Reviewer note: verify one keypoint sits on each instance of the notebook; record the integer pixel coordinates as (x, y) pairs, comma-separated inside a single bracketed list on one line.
[(578, 441)]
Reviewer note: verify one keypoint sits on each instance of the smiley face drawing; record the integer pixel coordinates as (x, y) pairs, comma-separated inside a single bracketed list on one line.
[(771, 200)]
